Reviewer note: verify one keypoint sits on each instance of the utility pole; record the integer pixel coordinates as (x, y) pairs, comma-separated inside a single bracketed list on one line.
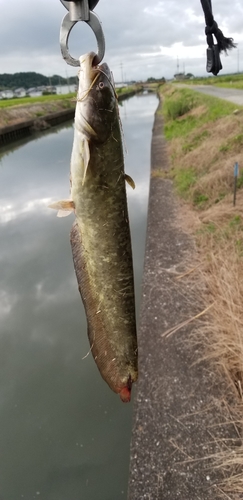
[(238, 60), (121, 65)]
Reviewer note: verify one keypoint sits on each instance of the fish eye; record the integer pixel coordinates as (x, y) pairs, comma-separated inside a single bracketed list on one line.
[(101, 85)]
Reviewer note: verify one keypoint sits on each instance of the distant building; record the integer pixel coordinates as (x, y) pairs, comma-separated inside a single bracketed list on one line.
[(49, 89), (21, 92), (119, 85), (182, 76), (7, 94), (33, 92), (41, 90), (179, 76)]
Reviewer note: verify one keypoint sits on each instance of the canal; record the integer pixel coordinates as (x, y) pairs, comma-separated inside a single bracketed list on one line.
[(63, 434)]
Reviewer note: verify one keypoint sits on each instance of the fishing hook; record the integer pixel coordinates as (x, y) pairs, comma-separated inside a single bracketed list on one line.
[(80, 11)]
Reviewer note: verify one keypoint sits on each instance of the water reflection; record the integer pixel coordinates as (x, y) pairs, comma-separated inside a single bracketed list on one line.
[(64, 434)]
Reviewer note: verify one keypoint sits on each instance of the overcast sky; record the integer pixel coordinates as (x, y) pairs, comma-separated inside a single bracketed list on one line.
[(143, 37)]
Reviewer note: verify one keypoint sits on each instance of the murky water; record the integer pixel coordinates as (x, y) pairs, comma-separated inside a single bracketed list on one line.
[(63, 434)]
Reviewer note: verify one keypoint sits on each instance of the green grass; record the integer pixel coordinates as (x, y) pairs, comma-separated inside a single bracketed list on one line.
[(220, 197), (191, 130), (178, 125), (225, 231), (225, 81), (184, 179), (125, 90), (239, 139), (240, 180), (195, 142), (236, 221), (174, 129), (200, 199), (233, 85), (224, 148), (233, 143), (6, 103), (176, 107), (208, 228)]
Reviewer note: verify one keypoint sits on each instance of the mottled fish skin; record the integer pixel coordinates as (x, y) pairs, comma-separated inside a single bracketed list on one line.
[(100, 236)]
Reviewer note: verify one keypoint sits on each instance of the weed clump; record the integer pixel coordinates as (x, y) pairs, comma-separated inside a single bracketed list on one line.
[(184, 179), (179, 106)]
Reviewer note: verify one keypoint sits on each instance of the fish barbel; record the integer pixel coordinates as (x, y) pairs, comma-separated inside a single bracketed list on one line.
[(100, 236)]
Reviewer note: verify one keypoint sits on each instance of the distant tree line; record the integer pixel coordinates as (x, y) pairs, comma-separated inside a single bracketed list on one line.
[(31, 79), (153, 80)]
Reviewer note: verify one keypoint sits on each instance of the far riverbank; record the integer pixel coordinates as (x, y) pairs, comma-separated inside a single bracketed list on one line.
[(21, 120)]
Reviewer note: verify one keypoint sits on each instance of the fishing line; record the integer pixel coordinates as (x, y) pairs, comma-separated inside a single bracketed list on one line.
[(89, 89), (119, 118), (112, 85)]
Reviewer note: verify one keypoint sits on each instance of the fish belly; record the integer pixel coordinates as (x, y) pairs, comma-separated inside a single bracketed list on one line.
[(102, 254)]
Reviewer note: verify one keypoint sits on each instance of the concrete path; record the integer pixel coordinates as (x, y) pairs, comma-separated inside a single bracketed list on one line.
[(180, 405), (232, 95)]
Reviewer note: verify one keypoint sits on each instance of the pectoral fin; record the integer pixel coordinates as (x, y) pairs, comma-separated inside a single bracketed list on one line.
[(63, 213), (130, 181), (64, 207)]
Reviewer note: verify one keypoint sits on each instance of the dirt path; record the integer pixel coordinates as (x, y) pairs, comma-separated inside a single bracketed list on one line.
[(179, 405)]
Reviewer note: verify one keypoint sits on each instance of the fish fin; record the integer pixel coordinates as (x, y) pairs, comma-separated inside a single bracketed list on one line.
[(63, 205), (86, 157), (63, 213), (130, 181)]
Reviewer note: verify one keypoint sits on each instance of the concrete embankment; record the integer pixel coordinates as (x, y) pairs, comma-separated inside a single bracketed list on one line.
[(25, 128), (20, 127), (180, 408)]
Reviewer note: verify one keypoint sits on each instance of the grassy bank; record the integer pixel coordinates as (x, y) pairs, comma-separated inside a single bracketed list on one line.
[(13, 115), (226, 81), (26, 101), (13, 111), (205, 139)]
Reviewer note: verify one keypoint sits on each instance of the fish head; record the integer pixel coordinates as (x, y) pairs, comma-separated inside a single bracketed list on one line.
[(96, 108)]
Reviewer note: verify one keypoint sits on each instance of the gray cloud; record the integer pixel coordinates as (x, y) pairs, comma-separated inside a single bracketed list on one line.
[(146, 37)]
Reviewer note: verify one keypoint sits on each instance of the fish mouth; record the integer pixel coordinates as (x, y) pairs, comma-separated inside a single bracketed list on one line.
[(87, 63), (87, 60), (125, 394), (93, 104), (89, 73)]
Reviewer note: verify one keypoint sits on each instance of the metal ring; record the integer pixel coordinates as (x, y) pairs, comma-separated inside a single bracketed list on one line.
[(92, 4), (66, 28)]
